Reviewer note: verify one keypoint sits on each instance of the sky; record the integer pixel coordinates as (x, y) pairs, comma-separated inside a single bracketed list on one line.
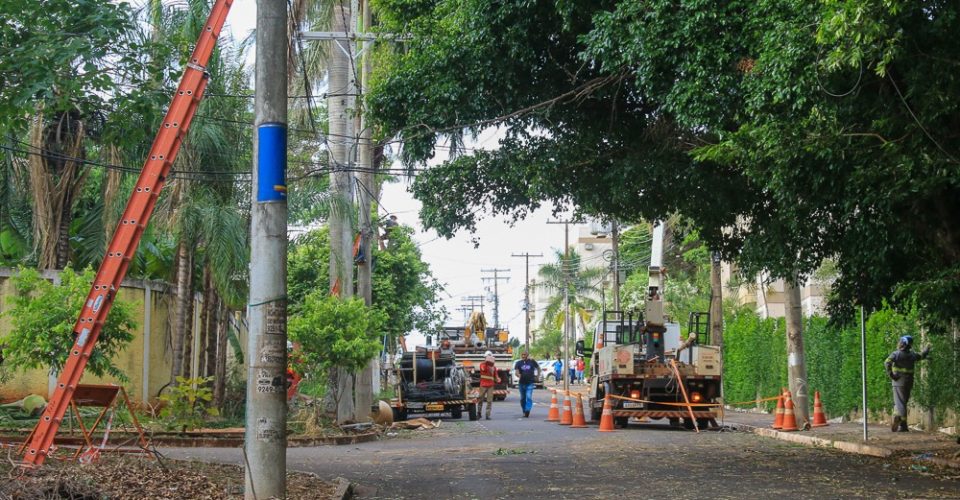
[(455, 262)]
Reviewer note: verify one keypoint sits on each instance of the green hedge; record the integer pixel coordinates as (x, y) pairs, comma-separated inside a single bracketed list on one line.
[(755, 361)]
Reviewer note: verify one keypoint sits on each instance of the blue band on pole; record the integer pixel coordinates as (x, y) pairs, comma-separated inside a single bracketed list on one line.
[(272, 162)]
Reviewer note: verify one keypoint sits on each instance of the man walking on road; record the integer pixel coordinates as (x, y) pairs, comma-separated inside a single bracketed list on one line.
[(527, 371), (488, 381), (899, 365)]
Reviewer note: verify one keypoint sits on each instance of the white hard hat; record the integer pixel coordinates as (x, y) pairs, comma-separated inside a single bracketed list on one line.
[(488, 353)]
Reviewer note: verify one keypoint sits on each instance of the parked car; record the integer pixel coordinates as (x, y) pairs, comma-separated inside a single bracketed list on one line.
[(546, 373)]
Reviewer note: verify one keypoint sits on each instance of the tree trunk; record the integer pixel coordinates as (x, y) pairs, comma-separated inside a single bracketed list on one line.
[(213, 325), (796, 362), (220, 373), (206, 312), (189, 331), (184, 266), (55, 183)]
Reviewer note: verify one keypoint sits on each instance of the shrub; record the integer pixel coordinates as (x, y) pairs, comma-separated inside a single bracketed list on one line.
[(44, 315)]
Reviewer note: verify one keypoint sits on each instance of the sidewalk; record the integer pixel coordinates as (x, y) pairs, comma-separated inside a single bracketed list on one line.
[(934, 447)]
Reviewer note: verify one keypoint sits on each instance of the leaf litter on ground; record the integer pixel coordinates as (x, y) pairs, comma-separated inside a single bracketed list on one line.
[(140, 477)]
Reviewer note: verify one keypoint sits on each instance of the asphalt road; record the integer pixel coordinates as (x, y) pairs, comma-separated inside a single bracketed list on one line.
[(515, 457)]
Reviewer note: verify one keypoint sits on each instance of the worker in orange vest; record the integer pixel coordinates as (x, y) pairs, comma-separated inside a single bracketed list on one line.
[(488, 380)]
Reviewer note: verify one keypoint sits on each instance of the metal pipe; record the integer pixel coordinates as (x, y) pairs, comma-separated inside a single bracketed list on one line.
[(863, 368)]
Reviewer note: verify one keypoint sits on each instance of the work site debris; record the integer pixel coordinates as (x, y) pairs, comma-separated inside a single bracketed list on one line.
[(416, 424), (137, 478)]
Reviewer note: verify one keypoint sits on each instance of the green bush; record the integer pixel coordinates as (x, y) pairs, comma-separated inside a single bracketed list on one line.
[(187, 404), (334, 332), (44, 315), (755, 361)]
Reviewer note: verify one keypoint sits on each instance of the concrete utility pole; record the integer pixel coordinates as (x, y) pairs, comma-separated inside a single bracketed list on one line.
[(368, 378), (265, 440), (716, 302), (526, 297), (496, 294), (796, 364), (615, 264), (340, 99), (566, 300)]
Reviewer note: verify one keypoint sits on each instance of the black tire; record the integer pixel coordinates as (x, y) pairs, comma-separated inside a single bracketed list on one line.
[(703, 423), (595, 414), (674, 422), (620, 422), (688, 424), (456, 412), (472, 411)]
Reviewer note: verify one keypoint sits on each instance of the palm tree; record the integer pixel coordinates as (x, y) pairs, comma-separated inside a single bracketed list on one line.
[(582, 286), (203, 208)]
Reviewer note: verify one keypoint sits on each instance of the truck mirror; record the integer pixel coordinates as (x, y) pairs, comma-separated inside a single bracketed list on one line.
[(579, 348)]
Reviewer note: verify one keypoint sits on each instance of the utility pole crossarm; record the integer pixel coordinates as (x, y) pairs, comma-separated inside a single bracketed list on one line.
[(353, 37), (496, 294)]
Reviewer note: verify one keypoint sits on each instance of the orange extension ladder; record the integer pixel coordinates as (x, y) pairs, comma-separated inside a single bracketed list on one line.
[(126, 238)]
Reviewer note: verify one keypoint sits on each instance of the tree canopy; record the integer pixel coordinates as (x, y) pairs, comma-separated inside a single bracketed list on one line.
[(788, 131)]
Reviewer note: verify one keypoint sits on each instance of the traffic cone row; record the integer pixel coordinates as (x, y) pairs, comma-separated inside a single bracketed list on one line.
[(784, 418), (554, 414)]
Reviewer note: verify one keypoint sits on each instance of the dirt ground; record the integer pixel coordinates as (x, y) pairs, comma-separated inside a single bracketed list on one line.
[(138, 478)]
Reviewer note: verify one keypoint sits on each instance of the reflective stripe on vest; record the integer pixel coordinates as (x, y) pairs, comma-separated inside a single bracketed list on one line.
[(897, 369), (487, 377)]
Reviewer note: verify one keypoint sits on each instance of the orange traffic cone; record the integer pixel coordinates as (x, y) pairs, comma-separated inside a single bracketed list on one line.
[(554, 414), (606, 418), (566, 418), (819, 418), (789, 420), (578, 420), (778, 413)]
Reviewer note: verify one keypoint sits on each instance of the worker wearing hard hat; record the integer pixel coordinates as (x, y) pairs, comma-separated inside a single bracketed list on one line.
[(488, 381), (899, 365)]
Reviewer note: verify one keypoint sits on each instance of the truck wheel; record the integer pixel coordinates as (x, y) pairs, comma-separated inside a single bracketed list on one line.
[(472, 411), (620, 422), (688, 424), (595, 413), (703, 423), (456, 412), (674, 422)]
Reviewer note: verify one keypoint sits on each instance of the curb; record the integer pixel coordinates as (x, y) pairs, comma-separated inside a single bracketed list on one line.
[(816, 442), (344, 489), (223, 442)]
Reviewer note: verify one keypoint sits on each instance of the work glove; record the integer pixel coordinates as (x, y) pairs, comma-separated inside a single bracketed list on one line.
[(925, 352), (895, 376)]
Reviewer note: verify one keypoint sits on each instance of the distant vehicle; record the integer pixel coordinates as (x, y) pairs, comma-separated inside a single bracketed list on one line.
[(471, 342), (546, 373)]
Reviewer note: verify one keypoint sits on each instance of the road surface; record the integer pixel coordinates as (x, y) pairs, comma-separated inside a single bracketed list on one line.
[(515, 457)]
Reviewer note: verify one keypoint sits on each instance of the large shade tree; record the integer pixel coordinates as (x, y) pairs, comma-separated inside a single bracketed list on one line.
[(811, 130)]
